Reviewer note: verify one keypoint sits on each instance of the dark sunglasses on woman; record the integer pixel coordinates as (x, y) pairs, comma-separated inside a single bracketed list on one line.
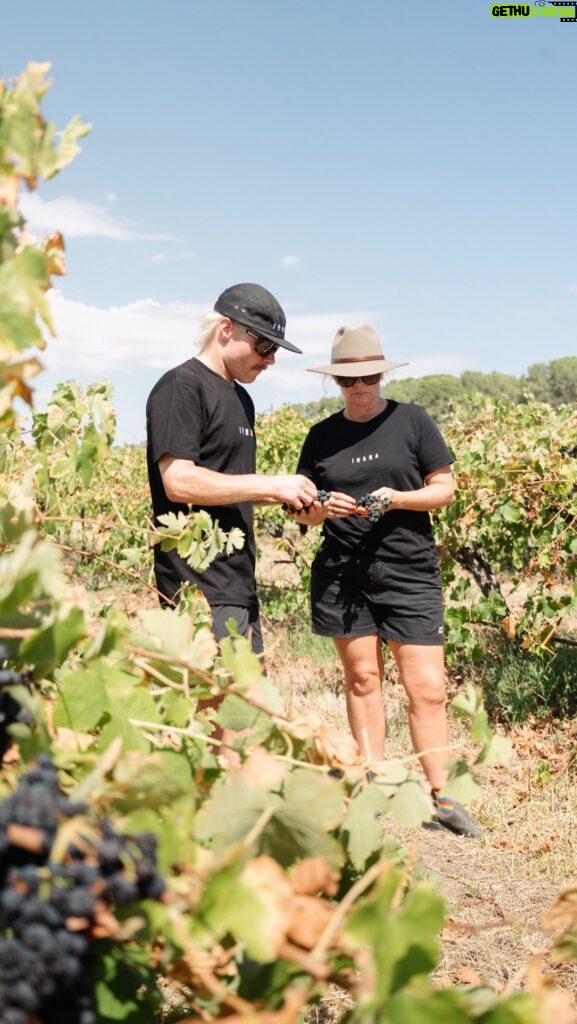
[(347, 382)]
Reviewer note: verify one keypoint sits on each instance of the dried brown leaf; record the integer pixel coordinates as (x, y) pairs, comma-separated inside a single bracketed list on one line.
[(466, 975), (267, 877), (336, 748), (263, 768), (68, 739), (313, 875), (555, 1004), (309, 918), (53, 248), (563, 911)]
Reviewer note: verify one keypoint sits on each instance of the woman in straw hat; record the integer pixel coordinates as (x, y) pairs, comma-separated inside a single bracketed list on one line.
[(375, 577)]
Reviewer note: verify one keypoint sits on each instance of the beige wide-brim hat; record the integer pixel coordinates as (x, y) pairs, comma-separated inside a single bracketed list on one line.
[(356, 351)]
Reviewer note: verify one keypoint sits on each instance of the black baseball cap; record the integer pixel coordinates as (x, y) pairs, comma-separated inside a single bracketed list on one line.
[(253, 306)]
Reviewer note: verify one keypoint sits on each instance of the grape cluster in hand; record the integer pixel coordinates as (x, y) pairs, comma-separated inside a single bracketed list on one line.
[(49, 909), (322, 497), (375, 507)]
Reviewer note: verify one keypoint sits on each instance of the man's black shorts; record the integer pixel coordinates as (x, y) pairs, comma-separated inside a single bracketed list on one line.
[(247, 619), (363, 597), (247, 623)]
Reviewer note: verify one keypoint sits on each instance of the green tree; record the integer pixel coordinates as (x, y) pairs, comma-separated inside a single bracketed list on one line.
[(325, 406), (563, 380), (436, 393), (537, 382), (554, 382), (494, 384)]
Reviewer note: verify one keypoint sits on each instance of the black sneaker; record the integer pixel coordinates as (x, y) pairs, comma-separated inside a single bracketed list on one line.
[(454, 817)]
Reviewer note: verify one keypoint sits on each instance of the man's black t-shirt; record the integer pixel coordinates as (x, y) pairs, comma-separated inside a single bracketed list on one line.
[(398, 449), (194, 413)]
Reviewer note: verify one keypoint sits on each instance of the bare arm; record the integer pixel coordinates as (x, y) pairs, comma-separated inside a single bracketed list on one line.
[(438, 492), (189, 484)]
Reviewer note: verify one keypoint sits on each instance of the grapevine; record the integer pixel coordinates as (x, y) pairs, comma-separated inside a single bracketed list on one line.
[(51, 910), (506, 544), (259, 858)]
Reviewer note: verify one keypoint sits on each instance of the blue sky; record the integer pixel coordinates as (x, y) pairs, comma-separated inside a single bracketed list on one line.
[(408, 165)]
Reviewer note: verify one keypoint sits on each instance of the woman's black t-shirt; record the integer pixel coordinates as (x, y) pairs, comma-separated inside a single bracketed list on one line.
[(194, 413), (398, 449)]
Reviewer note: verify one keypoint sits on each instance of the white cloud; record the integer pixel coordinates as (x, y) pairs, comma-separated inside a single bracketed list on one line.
[(149, 334), (121, 338), (132, 345), (78, 218), (290, 261)]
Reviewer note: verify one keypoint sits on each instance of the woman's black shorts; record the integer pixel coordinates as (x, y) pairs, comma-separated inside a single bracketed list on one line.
[(361, 597)]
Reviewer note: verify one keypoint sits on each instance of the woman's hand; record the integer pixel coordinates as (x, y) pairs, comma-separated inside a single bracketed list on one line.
[(337, 506), (372, 506), (388, 493), (438, 491)]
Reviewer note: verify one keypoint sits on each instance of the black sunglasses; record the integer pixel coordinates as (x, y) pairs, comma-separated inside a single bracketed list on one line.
[(347, 382), (262, 346)]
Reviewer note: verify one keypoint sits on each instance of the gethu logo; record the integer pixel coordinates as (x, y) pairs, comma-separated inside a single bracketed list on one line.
[(542, 8)]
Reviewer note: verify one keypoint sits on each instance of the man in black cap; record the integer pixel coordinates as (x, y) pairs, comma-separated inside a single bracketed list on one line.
[(202, 452)]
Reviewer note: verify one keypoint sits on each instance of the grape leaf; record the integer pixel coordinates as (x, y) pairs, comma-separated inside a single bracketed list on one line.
[(364, 831), (83, 698)]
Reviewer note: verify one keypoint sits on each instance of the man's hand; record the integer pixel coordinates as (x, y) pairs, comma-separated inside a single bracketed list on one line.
[(295, 490)]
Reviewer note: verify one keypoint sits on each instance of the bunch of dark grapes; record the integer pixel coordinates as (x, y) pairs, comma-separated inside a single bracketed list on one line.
[(10, 709), (322, 496), (50, 912), (375, 507)]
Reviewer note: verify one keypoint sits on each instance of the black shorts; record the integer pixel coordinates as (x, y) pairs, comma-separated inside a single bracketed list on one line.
[(365, 597), (247, 623)]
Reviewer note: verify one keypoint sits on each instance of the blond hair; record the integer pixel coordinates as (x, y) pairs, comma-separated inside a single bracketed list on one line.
[(207, 329)]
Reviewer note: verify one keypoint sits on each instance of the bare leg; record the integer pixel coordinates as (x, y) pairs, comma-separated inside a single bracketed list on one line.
[(362, 660), (422, 671)]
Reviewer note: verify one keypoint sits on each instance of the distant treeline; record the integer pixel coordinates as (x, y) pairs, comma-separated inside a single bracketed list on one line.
[(554, 383)]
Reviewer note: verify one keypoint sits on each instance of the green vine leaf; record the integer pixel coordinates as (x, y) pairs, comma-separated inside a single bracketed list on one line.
[(363, 830), (401, 932), (461, 784), (180, 636), (231, 812), (196, 537), (49, 646)]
